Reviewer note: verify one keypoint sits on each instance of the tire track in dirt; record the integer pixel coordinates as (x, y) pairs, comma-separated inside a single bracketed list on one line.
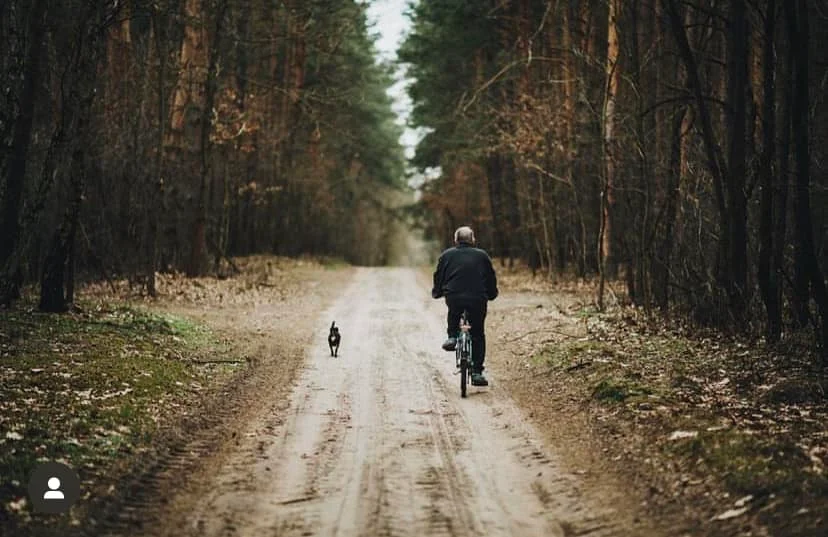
[(379, 442)]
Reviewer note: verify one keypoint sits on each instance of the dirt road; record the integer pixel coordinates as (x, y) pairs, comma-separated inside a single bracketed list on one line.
[(379, 442)]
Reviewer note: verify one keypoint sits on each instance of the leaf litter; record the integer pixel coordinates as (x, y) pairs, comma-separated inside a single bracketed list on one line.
[(687, 417), (93, 387)]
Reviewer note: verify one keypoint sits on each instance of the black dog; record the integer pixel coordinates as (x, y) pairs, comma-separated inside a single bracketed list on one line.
[(334, 339)]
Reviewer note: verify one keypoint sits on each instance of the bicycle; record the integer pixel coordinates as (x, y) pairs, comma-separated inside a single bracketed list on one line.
[(463, 353)]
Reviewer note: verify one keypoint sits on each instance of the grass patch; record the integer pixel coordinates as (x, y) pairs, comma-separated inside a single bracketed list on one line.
[(587, 313), (752, 464), (702, 417), (566, 354), (86, 387), (333, 263), (619, 390)]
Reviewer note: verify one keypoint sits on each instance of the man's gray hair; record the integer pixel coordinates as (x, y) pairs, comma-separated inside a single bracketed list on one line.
[(464, 234)]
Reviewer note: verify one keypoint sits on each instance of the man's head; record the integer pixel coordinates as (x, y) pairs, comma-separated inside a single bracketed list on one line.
[(464, 234)]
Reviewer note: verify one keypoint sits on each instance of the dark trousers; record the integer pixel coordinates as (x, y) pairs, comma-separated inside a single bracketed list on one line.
[(476, 309)]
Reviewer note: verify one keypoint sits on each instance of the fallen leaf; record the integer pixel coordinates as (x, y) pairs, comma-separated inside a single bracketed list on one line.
[(722, 383), (17, 505), (678, 435), (730, 513)]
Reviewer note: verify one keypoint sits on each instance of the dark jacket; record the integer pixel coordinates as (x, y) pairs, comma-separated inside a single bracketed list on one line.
[(465, 272)]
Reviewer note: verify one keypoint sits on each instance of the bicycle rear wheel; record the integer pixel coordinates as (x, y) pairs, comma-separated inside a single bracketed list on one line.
[(464, 370)]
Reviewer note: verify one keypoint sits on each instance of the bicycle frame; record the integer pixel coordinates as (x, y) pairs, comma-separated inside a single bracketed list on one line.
[(464, 340)]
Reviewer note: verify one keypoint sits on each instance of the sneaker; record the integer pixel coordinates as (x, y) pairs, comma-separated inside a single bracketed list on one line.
[(479, 380), (450, 344)]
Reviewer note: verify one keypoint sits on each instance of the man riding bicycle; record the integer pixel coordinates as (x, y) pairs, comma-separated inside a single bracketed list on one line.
[(466, 278)]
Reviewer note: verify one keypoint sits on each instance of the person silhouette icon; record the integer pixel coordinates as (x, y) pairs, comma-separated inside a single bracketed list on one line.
[(53, 488), (54, 493)]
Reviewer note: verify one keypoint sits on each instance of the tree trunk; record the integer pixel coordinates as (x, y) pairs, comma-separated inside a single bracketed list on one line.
[(494, 171), (71, 261), (661, 266), (199, 261), (606, 254), (79, 88), (15, 176), (638, 251), (736, 222), (711, 146), (807, 269), (54, 297), (191, 82), (767, 271), (156, 186), (570, 144), (783, 180)]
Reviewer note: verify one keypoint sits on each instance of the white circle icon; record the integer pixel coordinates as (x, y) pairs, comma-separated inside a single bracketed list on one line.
[(54, 493)]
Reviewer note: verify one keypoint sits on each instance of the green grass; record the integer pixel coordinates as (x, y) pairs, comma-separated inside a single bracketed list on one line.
[(753, 464), (565, 354), (333, 263), (646, 382), (619, 390), (85, 388)]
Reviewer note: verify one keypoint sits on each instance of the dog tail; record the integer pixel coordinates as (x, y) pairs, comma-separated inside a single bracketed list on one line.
[(332, 324)]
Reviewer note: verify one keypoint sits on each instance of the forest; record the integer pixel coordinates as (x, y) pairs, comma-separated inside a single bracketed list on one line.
[(158, 135), (677, 147), (219, 220)]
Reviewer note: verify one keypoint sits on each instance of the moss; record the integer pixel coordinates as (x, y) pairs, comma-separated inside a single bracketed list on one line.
[(565, 354), (795, 391), (619, 390), (751, 464), (87, 387), (587, 312)]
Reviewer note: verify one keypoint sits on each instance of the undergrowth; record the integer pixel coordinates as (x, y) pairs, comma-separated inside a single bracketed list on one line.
[(84, 388)]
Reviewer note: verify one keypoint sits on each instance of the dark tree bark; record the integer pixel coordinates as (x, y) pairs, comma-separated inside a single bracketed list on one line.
[(79, 91), (19, 152), (768, 271), (806, 266), (55, 294), (783, 180), (736, 221), (156, 186), (198, 259), (661, 266), (607, 254), (494, 174), (711, 147)]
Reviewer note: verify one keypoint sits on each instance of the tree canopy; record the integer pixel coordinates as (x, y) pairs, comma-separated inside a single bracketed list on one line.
[(675, 145), (163, 135)]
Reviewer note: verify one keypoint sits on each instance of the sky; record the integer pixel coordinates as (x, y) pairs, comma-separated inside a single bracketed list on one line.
[(390, 24)]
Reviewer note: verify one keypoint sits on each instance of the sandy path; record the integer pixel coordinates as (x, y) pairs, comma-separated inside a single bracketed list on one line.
[(379, 442)]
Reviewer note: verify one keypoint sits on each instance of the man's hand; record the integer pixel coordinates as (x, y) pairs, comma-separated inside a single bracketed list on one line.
[(437, 288), (491, 280)]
